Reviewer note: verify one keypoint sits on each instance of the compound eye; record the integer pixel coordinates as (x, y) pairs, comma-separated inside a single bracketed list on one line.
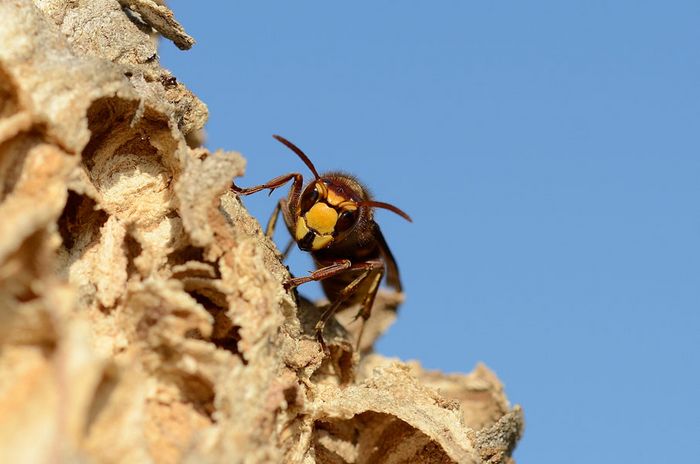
[(308, 199), (346, 220)]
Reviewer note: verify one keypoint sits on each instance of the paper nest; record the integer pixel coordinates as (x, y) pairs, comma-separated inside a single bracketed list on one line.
[(142, 315)]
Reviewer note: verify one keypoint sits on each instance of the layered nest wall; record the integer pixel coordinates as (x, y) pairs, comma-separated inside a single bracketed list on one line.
[(142, 313)]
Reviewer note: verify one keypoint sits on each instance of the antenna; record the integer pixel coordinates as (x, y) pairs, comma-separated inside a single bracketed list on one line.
[(390, 207), (299, 153)]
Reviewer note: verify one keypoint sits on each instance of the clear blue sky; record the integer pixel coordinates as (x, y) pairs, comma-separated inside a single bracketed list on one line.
[(549, 153)]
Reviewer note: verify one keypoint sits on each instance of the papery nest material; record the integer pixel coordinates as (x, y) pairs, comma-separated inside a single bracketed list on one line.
[(142, 315)]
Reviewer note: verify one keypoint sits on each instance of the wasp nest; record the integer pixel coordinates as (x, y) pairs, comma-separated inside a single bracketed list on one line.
[(142, 315)]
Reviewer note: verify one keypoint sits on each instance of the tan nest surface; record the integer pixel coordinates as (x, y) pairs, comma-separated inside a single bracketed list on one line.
[(142, 315)]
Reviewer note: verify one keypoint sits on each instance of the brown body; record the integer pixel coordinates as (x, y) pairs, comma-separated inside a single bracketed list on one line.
[(364, 295), (365, 244), (333, 219)]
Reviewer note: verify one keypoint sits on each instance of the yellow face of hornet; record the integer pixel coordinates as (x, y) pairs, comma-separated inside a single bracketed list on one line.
[(325, 215)]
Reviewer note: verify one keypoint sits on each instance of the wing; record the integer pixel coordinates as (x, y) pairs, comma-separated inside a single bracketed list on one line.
[(392, 270)]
